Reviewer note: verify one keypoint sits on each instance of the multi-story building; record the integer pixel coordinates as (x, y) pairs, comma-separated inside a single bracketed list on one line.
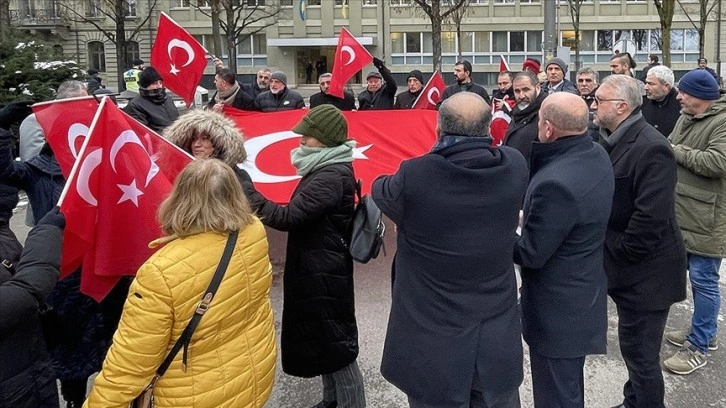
[(396, 31)]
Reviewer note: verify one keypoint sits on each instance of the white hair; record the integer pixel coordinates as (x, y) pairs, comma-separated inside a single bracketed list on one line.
[(663, 74)]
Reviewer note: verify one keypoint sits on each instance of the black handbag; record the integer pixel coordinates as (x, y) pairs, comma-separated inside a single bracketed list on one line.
[(146, 398)]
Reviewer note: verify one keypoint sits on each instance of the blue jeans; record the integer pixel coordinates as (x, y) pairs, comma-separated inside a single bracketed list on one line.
[(703, 272)]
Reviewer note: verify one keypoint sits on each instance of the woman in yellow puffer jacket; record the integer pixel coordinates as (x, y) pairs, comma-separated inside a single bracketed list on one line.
[(232, 354)]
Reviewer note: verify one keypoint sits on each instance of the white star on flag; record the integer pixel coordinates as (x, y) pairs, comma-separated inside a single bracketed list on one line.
[(358, 152), (130, 193), (173, 69)]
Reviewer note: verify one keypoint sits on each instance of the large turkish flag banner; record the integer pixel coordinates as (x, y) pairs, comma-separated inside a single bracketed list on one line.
[(65, 124), (384, 139), (350, 57), (178, 57), (122, 175)]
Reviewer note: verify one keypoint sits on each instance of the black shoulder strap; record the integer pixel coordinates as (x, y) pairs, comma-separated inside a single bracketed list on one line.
[(358, 189), (186, 335)]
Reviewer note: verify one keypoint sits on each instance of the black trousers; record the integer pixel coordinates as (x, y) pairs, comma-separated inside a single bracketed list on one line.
[(641, 334), (557, 382)]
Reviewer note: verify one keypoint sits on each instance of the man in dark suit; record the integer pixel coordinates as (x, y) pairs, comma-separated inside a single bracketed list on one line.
[(454, 334), (564, 286), (645, 258)]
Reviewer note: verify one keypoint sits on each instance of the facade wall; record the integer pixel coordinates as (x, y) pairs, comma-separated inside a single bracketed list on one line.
[(400, 33)]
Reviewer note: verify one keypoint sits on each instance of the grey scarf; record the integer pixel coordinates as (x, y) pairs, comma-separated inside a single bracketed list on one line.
[(612, 139), (308, 159), (227, 97)]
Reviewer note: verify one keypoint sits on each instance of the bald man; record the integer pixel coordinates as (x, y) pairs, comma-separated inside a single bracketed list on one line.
[(560, 251), (453, 336)]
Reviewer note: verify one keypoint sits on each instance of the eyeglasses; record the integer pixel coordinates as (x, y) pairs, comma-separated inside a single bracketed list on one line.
[(599, 100)]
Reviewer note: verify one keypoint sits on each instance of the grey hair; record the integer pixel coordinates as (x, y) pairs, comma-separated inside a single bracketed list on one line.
[(453, 120), (664, 74), (590, 71), (527, 75), (325, 75), (71, 89), (626, 88)]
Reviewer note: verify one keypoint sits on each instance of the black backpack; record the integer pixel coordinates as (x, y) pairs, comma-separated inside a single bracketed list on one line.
[(367, 229)]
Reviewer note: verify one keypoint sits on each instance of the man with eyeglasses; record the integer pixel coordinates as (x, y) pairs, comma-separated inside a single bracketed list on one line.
[(347, 103), (645, 258)]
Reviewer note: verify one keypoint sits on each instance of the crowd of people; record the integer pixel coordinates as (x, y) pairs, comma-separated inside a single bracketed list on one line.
[(616, 187)]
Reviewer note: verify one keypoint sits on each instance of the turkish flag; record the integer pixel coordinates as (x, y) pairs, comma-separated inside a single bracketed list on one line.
[(63, 131), (503, 65), (179, 58), (431, 94), (384, 139), (122, 175), (501, 116), (350, 57)]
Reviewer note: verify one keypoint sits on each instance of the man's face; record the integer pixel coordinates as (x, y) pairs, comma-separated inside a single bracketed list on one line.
[(156, 85), (276, 86), (690, 104), (374, 84), (414, 85), (504, 82), (324, 85), (701, 64), (263, 79), (617, 68), (586, 84), (220, 84), (554, 74), (654, 89), (605, 107), (460, 74), (524, 92)]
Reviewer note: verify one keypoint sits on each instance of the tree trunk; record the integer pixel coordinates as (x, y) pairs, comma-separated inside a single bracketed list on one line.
[(436, 33), (216, 34), (231, 29), (702, 27), (459, 55), (121, 54), (4, 20), (665, 8)]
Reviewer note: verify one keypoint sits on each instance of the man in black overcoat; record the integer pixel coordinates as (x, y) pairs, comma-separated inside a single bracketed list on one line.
[(564, 286), (522, 129), (645, 257), (453, 336)]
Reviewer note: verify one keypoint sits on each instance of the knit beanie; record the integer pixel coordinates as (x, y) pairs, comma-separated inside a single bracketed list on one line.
[(699, 84), (531, 64), (148, 76), (280, 76), (559, 62), (415, 74), (325, 123)]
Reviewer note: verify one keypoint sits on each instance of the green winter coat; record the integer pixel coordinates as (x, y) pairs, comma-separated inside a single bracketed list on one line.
[(700, 149)]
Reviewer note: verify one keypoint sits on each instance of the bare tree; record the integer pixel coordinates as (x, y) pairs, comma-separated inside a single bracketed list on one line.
[(97, 12), (239, 20), (705, 8), (456, 18), (665, 8), (4, 20), (574, 7)]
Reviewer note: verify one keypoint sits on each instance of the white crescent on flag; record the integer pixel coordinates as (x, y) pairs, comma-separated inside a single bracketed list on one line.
[(176, 43), (255, 146), (129, 136), (75, 131), (430, 95), (350, 51), (84, 175)]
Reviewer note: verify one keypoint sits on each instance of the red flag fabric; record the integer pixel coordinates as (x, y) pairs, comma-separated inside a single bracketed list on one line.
[(179, 58), (350, 57), (431, 94), (501, 116), (385, 138), (503, 65), (123, 173), (66, 133)]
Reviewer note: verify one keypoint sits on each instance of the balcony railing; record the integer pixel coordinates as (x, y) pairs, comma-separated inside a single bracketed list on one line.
[(36, 16)]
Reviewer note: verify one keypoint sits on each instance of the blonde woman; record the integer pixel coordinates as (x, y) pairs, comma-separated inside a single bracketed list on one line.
[(231, 356)]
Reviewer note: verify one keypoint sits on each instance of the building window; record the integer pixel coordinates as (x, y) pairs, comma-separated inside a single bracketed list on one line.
[(132, 53), (255, 3), (96, 56), (131, 8), (93, 9), (503, 1), (286, 3)]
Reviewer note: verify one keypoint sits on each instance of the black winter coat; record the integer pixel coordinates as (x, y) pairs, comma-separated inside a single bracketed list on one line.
[(252, 89), (27, 379), (522, 129), (319, 330), (288, 99), (566, 212), (406, 99), (664, 114), (645, 257), (156, 116), (454, 298), (450, 90), (345, 104), (381, 99), (241, 101)]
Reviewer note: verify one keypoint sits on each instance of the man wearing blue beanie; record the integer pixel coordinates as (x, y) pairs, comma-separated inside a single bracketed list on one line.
[(699, 144)]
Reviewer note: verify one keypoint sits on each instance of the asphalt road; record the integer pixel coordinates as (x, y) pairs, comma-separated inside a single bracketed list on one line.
[(604, 375)]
